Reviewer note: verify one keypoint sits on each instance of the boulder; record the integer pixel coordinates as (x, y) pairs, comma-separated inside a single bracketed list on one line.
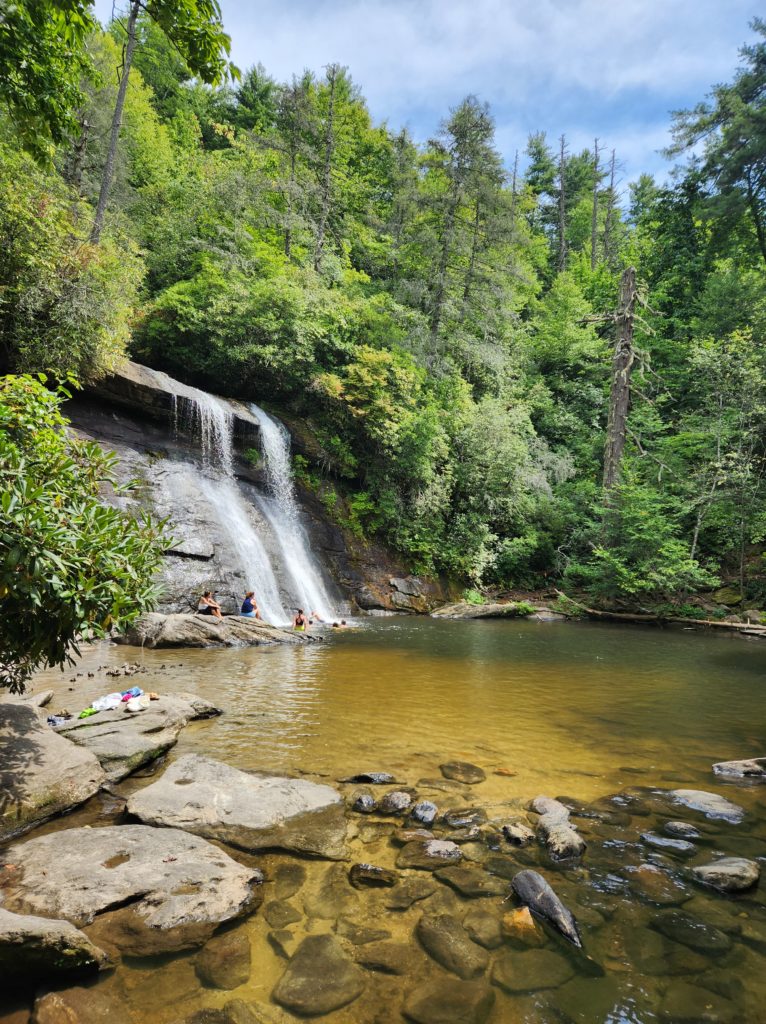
[(710, 804), (428, 855), (173, 889), (534, 892), (320, 978), (462, 771), (729, 874), (491, 610), (531, 971), (465, 817), (371, 778), (752, 768), (183, 630), (363, 802), (41, 774), (37, 946), (224, 961), (125, 742), (447, 1001), (211, 799), (445, 939), (559, 835)]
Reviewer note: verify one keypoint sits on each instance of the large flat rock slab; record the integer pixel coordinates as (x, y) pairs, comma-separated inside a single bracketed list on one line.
[(32, 946), (124, 741), (252, 812), (168, 890), (180, 630), (41, 773)]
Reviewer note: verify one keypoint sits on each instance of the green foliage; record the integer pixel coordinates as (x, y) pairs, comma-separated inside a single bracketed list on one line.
[(42, 61), (70, 566), (473, 597), (65, 305)]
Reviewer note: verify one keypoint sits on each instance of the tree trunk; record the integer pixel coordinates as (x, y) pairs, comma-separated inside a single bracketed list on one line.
[(758, 220), (513, 193), (609, 214), (329, 145), (622, 364), (562, 260), (111, 156), (594, 211)]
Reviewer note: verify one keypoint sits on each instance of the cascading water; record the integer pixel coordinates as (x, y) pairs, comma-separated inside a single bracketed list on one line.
[(281, 509), (291, 578)]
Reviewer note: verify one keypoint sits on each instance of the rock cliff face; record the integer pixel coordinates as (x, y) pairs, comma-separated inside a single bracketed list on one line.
[(135, 413)]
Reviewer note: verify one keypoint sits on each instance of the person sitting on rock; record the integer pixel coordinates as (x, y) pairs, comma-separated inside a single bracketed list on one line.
[(209, 606), (249, 608), (300, 622)]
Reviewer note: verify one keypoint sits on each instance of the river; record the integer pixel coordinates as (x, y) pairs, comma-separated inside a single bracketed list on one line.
[(564, 709)]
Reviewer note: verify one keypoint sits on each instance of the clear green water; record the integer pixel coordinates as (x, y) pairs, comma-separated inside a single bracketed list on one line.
[(583, 711)]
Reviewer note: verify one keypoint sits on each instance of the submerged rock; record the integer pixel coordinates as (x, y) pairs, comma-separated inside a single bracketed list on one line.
[(462, 771), (681, 830), (364, 876), (387, 957), (398, 801), (729, 874), (371, 778), (125, 742), (531, 971), (363, 802), (428, 855), (483, 928), (179, 630), (173, 889), (679, 847), (517, 833), (754, 767), (31, 947), (687, 929), (446, 1001), (41, 774), (651, 883), (472, 882), (521, 929), (224, 962), (79, 1005), (445, 939), (320, 978), (534, 892), (465, 817), (684, 1003), (710, 804), (211, 799), (424, 812), (409, 892)]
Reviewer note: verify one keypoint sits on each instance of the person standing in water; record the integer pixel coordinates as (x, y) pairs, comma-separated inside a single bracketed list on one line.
[(249, 609), (300, 622)]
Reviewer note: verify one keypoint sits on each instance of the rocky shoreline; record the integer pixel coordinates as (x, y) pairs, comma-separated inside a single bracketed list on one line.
[(157, 881)]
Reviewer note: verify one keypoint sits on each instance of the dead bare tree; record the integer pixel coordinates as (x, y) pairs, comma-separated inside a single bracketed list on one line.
[(594, 211), (622, 366), (562, 259), (333, 71)]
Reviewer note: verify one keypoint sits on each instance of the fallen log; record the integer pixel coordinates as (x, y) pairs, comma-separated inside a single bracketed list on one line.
[(748, 628)]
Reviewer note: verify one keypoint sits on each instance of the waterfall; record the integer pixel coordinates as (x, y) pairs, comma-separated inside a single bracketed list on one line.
[(281, 509), (291, 578)]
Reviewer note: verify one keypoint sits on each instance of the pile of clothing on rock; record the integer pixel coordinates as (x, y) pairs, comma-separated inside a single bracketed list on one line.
[(133, 699)]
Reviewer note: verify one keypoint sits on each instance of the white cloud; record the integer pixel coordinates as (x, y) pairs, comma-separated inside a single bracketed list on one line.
[(612, 68)]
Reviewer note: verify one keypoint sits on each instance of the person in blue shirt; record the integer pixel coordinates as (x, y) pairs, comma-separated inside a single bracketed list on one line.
[(249, 608)]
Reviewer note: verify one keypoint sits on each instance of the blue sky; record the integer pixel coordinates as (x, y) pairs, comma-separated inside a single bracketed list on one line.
[(585, 67)]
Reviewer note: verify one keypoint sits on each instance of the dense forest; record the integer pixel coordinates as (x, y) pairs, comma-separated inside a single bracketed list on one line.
[(441, 324)]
